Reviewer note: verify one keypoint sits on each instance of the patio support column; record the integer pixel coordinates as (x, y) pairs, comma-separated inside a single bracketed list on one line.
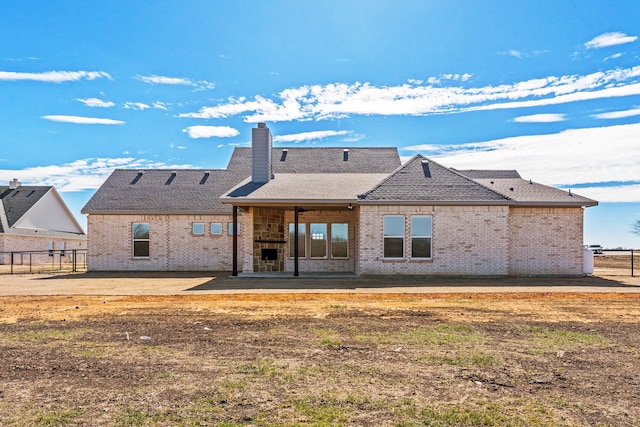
[(235, 241), (295, 241)]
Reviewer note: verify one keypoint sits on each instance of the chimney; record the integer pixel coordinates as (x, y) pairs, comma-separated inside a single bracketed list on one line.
[(260, 154), (14, 183)]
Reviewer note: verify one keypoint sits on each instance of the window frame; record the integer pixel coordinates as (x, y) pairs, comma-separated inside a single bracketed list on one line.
[(428, 237), (346, 225), (302, 227), (135, 240), (230, 229), (386, 236), (211, 228), (325, 238), (193, 229)]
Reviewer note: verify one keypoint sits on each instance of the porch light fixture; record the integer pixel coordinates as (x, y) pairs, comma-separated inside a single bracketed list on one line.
[(349, 206)]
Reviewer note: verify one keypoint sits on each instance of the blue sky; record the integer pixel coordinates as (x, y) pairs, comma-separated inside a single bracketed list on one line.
[(550, 88)]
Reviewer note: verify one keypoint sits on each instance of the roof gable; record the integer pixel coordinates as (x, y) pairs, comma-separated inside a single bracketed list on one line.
[(421, 179), (17, 202), (36, 208)]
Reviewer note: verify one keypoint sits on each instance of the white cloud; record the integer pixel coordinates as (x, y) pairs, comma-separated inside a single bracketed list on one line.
[(80, 175), (618, 114), (620, 193), (514, 53), (82, 120), (309, 136), (576, 156), (196, 132), (540, 118), (160, 105), (54, 76), (95, 102), (338, 100), (609, 39), (164, 80), (135, 106)]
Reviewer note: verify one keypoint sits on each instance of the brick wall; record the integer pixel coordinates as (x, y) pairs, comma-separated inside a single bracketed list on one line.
[(16, 243), (466, 240), (173, 247), (546, 241)]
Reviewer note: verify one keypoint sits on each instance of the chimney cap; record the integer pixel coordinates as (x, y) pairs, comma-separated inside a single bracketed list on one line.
[(262, 125)]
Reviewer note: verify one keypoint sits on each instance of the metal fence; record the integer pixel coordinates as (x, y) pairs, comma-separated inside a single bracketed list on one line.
[(14, 262), (617, 262)]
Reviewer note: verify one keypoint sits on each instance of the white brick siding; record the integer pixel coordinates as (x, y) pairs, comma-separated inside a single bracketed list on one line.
[(467, 240), (545, 241), (172, 245), (17, 243)]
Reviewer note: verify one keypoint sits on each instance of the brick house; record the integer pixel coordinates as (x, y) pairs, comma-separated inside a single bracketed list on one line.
[(35, 218), (355, 210)]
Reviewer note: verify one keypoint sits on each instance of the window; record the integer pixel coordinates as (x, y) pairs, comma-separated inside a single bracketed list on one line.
[(215, 228), (339, 240), (393, 231), (61, 248), (140, 239), (50, 248), (197, 228), (302, 240), (231, 228), (420, 236), (318, 240)]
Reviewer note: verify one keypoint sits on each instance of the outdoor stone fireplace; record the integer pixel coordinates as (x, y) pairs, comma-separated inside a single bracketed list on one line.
[(269, 244)]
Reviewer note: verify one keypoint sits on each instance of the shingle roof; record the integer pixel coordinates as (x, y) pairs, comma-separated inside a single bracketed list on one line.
[(17, 202), (423, 180), (322, 160), (162, 191), (305, 188), (153, 193), (528, 192), (482, 174)]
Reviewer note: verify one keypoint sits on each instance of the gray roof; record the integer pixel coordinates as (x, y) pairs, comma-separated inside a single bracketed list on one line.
[(154, 191), (318, 175), (481, 174), (532, 193), (322, 160), (17, 202), (293, 188), (423, 180), (162, 191)]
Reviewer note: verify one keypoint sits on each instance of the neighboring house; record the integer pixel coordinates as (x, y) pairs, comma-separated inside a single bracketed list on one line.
[(35, 218), (356, 210)]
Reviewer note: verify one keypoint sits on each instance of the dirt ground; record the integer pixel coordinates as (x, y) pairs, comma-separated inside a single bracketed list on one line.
[(278, 358)]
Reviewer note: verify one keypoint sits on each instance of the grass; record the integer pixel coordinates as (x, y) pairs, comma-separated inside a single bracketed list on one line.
[(444, 334), (562, 338)]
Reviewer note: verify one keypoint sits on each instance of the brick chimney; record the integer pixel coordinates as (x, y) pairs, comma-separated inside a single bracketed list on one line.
[(261, 154)]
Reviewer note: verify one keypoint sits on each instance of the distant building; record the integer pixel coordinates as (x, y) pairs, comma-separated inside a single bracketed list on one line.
[(356, 210), (35, 218)]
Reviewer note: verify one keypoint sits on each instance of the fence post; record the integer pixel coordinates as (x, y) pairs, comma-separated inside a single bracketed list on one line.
[(11, 262), (73, 262), (632, 263)]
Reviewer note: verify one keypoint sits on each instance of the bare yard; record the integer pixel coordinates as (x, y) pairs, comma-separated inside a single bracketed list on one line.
[(326, 359), (514, 352)]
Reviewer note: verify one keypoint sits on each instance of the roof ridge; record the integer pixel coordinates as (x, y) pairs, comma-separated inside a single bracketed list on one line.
[(388, 177), (480, 184)]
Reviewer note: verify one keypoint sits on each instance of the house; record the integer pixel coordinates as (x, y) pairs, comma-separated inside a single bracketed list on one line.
[(357, 210), (35, 218)]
